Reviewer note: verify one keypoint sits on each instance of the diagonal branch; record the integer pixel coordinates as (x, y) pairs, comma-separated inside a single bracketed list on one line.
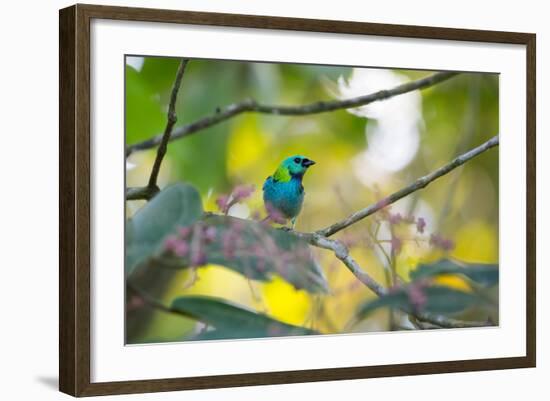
[(342, 253), (420, 183), (320, 238), (152, 188), (313, 108)]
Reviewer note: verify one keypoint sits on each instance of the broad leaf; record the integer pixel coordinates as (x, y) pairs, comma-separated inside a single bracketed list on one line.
[(177, 205), (233, 321), (257, 251), (438, 299), (483, 274)]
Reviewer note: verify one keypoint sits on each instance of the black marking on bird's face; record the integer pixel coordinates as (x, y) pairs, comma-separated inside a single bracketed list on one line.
[(297, 160)]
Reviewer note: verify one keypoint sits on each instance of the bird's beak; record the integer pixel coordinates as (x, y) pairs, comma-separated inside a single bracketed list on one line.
[(307, 162)]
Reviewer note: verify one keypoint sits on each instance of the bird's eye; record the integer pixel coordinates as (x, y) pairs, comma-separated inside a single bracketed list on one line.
[(297, 160)]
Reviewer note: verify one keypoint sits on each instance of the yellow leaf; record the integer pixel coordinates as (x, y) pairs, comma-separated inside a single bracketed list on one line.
[(476, 241), (453, 281), (285, 303)]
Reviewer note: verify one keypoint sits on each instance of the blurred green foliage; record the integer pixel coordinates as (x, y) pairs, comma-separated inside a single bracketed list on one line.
[(462, 207), (232, 321)]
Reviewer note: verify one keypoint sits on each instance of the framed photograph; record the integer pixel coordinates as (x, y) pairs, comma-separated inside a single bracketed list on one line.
[(250, 200)]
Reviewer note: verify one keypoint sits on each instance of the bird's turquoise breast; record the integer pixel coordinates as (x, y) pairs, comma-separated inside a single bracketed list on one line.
[(287, 197)]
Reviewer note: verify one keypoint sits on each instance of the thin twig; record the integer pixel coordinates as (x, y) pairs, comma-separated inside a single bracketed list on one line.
[(313, 108), (420, 183), (152, 188)]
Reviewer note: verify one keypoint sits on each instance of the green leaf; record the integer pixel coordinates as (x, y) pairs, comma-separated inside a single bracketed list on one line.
[(439, 299), (447, 300), (159, 74), (144, 115), (259, 251), (483, 274), (394, 300), (176, 206), (233, 321)]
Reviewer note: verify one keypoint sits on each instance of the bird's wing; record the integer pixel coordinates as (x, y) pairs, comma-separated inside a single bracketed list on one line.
[(267, 180)]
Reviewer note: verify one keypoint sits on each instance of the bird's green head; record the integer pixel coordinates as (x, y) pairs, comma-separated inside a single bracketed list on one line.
[(292, 166)]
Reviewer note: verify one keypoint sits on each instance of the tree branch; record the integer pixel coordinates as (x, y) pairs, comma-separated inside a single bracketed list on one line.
[(313, 108), (152, 188), (420, 183), (342, 253), (320, 238)]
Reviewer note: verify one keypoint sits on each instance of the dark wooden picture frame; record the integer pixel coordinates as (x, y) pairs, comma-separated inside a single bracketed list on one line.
[(74, 200)]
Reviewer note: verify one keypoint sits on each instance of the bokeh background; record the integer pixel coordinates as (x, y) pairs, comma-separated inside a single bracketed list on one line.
[(361, 154)]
